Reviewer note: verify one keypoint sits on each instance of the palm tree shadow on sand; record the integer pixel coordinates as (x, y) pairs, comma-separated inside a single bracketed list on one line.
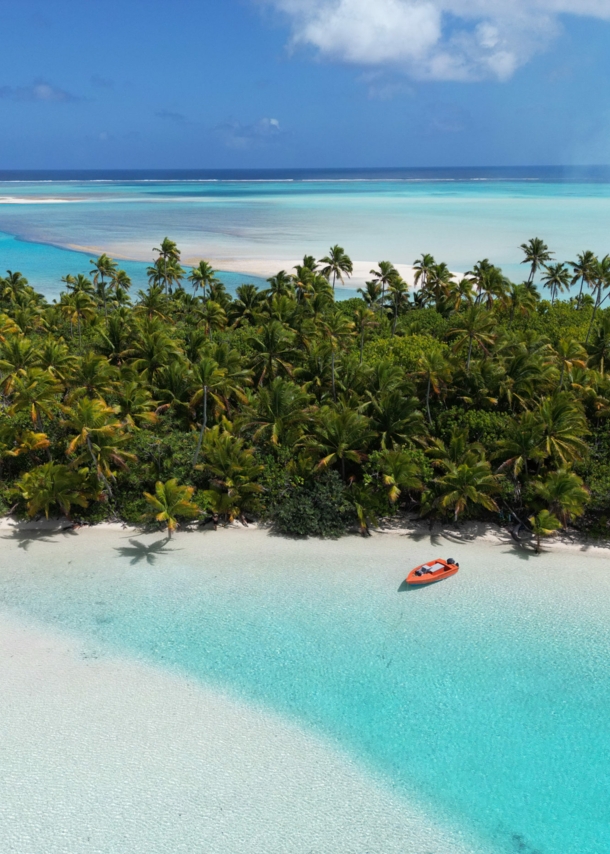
[(25, 537), (138, 552)]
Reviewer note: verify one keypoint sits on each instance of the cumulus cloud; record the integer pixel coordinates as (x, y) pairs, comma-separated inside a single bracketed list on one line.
[(256, 135), (433, 39), (40, 91)]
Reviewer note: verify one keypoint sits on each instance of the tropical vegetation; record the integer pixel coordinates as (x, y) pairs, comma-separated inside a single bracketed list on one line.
[(463, 397)]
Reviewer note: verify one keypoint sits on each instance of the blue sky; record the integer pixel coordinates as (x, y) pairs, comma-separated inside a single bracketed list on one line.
[(303, 83)]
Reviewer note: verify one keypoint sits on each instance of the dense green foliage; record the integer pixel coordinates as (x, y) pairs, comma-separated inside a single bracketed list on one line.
[(469, 398)]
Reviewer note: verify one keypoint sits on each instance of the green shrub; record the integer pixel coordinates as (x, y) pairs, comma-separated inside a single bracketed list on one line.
[(320, 508)]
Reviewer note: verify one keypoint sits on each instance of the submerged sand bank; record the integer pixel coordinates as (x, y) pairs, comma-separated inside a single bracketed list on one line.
[(105, 755)]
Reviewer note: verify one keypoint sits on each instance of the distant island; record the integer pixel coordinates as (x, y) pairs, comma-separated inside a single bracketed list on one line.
[(469, 397)]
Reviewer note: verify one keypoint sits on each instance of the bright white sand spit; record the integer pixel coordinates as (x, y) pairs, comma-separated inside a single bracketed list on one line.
[(104, 755)]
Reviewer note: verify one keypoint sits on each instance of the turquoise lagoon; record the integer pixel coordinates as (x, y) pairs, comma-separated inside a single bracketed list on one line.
[(483, 699), (460, 216)]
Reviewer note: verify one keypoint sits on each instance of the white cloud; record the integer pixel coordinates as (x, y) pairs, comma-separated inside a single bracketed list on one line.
[(433, 39), (256, 135), (40, 91)]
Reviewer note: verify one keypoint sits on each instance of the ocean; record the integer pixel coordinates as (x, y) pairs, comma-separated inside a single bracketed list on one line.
[(52, 223), (482, 700)]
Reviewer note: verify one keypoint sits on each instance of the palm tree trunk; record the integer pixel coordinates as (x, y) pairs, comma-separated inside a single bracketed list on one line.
[(361, 345), (100, 473), (428, 400), (203, 424), (469, 355), (332, 367), (595, 307), (80, 343)]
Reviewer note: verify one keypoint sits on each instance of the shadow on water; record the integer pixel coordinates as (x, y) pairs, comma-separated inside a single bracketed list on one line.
[(138, 551)]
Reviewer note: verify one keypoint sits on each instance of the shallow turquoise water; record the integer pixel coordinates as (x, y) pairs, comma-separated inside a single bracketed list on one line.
[(485, 696), (459, 221)]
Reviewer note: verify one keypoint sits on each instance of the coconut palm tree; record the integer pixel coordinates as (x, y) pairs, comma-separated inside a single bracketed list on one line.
[(584, 270), (474, 326), (544, 524), (340, 434), (209, 378), (565, 494), (202, 276), (434, 369), (371, 294), (599, 346), (399, 472), (423, 267), (37, 392), (338, 330), (170, 503), (557, 279), (399, 298), (364, 320), (524, 444), (53, 485), (570, 354), (601, 282), (337, 264), (464, 484), (536, 255), (213, 317), (280, 413), (168, 253), (103, 268), (385, 273), (273, 347), (564, 427), (99, 438)]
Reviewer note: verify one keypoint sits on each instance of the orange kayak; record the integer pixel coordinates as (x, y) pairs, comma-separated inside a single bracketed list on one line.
[(434, 570)]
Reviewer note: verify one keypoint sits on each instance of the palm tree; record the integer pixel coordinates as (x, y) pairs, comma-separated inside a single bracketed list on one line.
[(53, 484), (202, 276), (37, 392), (536, 255), (168, 252), (337, 264), (340, 434), (396, 418), (280, 414), (338, 329), (104, 267), (273, 346), (364, 319), (399, 298), (557, 279), (213, 317), (601, 281), (584, 268), (599, 348), (79, 307), (564, 426), (422, 268), (371, 294), (565, 493), (384, 275), (170, 503), (473, 326), (524, 444), (570, 354), (208, 377), (99, 436), (399, 472), (434, 370), (544, 524), (467, 483)]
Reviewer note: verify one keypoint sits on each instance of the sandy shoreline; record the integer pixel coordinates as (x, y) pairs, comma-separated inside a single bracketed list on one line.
[(468, 533), (260, 267)]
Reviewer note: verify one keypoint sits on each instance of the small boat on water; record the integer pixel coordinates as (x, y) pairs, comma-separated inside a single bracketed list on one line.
[(434, 570)]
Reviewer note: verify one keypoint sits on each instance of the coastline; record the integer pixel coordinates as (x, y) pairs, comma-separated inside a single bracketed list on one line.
[(463, 534), (262, 267)]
